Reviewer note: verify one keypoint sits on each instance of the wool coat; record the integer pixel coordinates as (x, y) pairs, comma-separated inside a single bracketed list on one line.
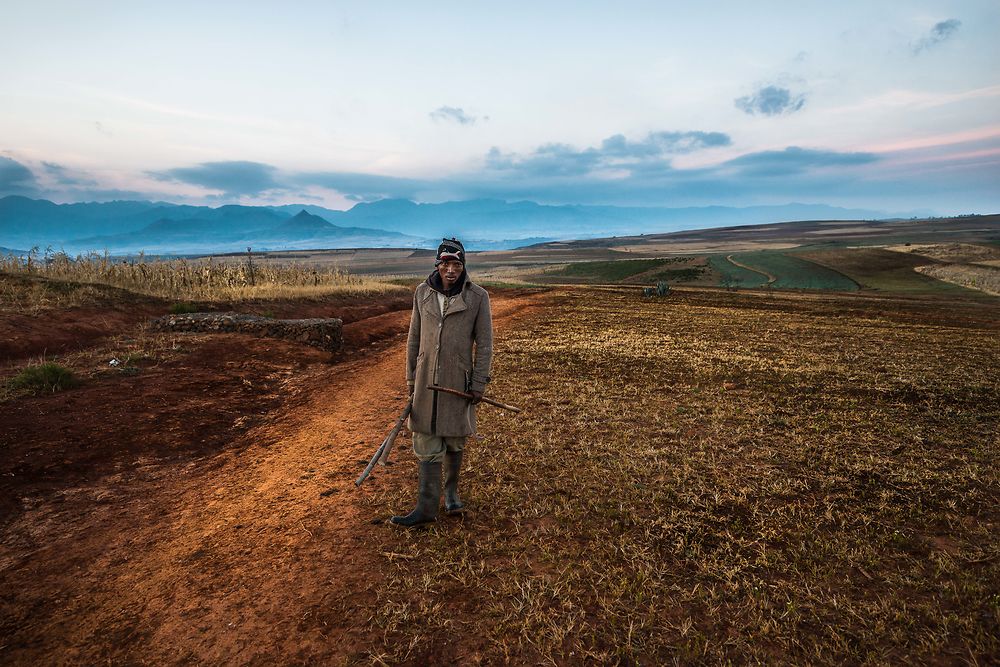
[(453, 351)]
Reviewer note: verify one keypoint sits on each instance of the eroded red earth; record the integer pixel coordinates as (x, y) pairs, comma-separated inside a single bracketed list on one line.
[(175, 515)]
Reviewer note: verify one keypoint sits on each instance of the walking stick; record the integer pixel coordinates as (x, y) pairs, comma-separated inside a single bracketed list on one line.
[(456, 392), (382, 453)]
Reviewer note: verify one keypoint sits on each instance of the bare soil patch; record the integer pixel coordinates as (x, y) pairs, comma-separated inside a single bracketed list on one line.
[(100, 312), (203, 509)]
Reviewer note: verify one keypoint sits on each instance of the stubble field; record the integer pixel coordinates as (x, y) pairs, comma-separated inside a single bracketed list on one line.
[(716, 477), (713, 476)]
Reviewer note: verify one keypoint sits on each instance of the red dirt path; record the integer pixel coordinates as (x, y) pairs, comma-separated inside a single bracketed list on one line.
[(175, 516)]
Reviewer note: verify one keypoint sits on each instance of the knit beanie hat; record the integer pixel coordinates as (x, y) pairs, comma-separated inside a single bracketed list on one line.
[(450, 250)]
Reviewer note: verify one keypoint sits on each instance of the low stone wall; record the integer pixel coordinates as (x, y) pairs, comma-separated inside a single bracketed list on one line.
[(324, 333)]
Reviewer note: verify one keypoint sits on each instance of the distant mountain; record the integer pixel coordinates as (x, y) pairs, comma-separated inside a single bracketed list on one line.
[(304, 225), (492, 219), (39, 221), (130, 226), (200, 236)]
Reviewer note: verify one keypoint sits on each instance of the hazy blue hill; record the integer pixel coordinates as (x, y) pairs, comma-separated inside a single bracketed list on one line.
[(230, 216), (384, 208), (484, 223), (479, 218), (39, 222), (303, 225), (327, 214), (233, 228), (244, 217), (305, 221), (492, 219)]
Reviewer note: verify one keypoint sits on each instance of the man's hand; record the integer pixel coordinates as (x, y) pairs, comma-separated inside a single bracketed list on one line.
[(410, 386), (477, 396)]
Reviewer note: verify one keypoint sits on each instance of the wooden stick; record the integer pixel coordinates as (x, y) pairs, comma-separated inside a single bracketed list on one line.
[(455, 392), (383, 450), (391, 438)]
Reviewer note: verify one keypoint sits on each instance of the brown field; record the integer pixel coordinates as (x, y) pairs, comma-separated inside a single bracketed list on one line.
[(975, 276), (959, 253), (710, 477)]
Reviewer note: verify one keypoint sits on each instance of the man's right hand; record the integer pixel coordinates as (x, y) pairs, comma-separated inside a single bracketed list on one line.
[(410, 386)]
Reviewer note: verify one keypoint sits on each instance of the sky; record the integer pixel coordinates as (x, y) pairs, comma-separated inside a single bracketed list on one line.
[(880, 104)]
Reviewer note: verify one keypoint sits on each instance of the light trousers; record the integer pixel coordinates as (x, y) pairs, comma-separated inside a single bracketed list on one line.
[(432, 447)]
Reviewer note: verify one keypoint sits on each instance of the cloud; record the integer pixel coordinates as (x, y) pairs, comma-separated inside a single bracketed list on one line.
[(771, 101), (234, 178), (362, 187), (546, 160), (16, 179), (793, 160), (454, 115), (941, 31), (616, 153), (636, 173), (617, 170), (64, 176), (660, 143)]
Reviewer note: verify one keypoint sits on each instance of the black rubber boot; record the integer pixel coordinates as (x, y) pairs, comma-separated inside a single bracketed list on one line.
[(428, 497), (453, 465)]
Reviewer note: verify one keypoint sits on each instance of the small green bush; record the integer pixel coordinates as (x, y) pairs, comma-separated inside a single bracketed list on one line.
[(182, 308), (47, 377)]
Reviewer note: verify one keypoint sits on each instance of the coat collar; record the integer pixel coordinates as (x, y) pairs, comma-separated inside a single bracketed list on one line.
[(434, 280), (458, 303)]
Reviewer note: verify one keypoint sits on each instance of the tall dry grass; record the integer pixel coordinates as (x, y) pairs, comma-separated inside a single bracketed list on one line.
[(194, 280)]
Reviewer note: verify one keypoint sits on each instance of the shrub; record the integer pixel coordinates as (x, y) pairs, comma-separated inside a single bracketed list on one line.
[(181, 308), (49, 377)]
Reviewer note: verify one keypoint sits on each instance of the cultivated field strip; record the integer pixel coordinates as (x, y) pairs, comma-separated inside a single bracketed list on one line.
[(717, 477)]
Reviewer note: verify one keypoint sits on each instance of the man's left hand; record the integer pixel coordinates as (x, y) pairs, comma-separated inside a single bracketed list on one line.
[(477, 396)]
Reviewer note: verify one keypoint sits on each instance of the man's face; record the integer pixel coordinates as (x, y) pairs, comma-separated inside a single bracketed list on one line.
[(449, 272)]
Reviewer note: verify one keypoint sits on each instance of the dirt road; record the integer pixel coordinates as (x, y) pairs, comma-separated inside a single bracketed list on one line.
[(185, 545)]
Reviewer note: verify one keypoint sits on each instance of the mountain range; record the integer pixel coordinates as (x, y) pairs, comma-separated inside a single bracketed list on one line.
[(484, 224)]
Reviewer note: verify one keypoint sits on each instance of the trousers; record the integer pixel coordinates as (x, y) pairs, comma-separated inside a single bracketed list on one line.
[(431, 448)]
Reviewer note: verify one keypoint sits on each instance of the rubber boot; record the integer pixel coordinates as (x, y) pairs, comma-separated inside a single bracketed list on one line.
[(453, 465), (428, 497)]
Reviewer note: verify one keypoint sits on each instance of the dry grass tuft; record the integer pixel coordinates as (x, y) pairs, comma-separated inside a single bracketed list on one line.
[(716, 478), (180, 279)]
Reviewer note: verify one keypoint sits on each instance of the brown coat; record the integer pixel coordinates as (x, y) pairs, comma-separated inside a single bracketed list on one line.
[(440, 351)]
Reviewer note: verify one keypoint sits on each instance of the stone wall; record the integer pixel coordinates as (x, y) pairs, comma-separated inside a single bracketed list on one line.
[(324, 333)]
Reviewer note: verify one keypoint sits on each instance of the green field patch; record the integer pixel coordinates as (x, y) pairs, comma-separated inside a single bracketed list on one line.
[(680, 275), (731, 275), (610, 271), (793, 272)]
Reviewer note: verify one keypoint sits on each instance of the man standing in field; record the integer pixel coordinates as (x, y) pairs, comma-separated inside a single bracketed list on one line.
[(451, 319)]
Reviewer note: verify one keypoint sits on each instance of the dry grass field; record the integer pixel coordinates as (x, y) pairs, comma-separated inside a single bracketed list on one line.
[(974, 276), (183, 280), (716, 477), (709, 477)]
